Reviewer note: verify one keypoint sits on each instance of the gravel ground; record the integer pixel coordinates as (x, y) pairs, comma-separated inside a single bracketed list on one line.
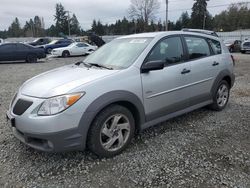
[(199, 149)]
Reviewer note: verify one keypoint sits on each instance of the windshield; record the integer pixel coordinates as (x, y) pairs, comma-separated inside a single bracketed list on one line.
[(120, 53), (53, 41)]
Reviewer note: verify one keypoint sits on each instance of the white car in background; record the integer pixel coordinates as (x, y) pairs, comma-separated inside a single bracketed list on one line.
[(75, 49), (1, 41)]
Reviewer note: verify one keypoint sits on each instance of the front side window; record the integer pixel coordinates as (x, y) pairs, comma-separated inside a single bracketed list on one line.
[(216, 46), (169, 50), (119, 53), (197, 47), (81, 45)]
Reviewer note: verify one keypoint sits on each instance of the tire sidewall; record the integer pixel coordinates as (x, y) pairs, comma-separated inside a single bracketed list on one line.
[(216, 105), (94, 143), (31, 58), (65, 54)]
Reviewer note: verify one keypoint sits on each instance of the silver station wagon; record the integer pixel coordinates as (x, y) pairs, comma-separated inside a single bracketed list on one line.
[(127, 85)]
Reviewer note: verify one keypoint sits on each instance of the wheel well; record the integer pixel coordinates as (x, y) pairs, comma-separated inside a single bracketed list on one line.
[(228, 80), (132, 108)]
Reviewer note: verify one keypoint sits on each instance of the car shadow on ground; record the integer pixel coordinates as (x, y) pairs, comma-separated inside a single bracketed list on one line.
[(180, 124)]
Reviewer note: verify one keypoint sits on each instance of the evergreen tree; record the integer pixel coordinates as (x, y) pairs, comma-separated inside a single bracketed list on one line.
[(199, 13), (61, 19), (15, 29), (74, 25)]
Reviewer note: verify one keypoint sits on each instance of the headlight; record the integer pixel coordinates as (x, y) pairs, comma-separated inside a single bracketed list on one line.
[(58, 104)]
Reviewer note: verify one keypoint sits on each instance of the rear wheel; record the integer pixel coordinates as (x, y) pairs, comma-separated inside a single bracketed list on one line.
[(31, 58), (65, 54), (221, 96), (111, 131), (243, 51)]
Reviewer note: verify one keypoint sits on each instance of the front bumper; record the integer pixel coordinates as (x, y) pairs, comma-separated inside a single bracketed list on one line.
[(56, 133), (60, 141)]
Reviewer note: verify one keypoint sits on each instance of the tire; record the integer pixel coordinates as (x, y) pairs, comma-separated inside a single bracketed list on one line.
[(231, 50), (49, 50), (221, 96), (31, 58), (243, 52), (65, 54), (111, 131)]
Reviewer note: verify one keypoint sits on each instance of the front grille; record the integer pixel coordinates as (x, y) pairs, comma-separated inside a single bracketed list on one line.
[(21, 106)]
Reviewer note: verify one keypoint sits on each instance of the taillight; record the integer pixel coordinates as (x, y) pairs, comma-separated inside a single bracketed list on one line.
[(233, 59)]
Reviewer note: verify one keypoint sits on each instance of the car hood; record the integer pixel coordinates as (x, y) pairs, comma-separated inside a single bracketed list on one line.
[(62, 80)]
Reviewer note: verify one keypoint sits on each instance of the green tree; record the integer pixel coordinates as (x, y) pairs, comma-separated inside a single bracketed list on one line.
[(75, 26), (61, 19), (15, 29), (199, 13)]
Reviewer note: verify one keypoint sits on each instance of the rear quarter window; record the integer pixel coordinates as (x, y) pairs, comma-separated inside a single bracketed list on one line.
[(215, 45)]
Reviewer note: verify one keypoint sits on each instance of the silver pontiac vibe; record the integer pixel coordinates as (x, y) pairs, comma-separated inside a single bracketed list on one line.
[(127, 85)]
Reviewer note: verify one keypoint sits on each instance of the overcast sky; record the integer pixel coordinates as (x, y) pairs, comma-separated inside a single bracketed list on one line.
[(106, 10)]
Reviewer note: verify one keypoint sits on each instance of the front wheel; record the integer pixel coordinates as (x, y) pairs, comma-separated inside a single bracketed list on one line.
[(65, 54), (221, 96), (111, 131), (31, 58)]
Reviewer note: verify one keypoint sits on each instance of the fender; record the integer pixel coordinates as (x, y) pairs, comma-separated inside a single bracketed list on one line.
[(101, 102), (219, 77)]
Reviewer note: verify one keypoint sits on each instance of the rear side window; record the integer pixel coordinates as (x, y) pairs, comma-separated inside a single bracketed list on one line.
[(169, 50), (22, 47), (8, 47), (197, 47), (215, 45)]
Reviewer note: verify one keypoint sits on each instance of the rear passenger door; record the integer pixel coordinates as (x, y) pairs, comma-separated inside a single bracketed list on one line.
[(205, 65), (166, 91)]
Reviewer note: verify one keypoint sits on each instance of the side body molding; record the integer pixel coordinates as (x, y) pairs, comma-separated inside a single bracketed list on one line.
[(101, 102)]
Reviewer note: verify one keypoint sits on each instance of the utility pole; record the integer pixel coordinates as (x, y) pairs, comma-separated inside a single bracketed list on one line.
[(166, 15), (204, 21)]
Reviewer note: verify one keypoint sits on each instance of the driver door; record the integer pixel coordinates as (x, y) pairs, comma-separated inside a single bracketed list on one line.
[(166, 91)]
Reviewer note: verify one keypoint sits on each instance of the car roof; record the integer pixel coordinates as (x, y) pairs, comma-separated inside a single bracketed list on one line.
[(166, 33)]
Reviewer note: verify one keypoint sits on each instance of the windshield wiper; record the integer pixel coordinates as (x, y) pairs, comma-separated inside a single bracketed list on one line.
[(93, 64), (84, 63), (100, 65)]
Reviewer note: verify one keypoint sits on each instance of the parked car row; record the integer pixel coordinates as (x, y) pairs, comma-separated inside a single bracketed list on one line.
[(30, 52), (237, 46)]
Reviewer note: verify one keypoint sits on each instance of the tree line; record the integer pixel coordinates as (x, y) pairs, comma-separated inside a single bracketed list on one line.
[(141, 18)]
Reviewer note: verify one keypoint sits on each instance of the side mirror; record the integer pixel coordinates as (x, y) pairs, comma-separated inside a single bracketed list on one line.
[(152, 65)]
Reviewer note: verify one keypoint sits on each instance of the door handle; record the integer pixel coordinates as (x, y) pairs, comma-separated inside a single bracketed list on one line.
[(215, 63), (185, 71)]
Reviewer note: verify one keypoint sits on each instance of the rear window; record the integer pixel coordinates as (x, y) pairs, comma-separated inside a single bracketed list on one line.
[(197, 47)]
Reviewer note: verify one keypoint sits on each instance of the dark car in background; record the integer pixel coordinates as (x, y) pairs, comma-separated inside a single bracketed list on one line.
[(20, 52), (40, 41), (57, 44), (233, 45), (245, 47)]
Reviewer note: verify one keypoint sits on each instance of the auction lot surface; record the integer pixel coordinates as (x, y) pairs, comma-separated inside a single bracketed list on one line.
[(199, 149)]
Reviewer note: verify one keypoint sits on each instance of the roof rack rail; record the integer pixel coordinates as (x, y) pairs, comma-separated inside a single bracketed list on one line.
[(206, 32)]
